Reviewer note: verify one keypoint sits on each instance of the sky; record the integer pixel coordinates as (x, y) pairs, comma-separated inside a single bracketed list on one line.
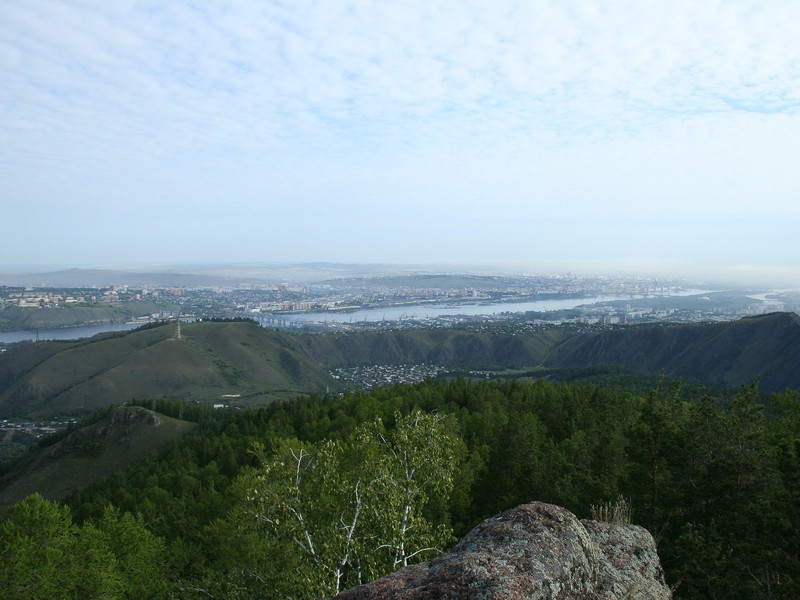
[(639, 136)]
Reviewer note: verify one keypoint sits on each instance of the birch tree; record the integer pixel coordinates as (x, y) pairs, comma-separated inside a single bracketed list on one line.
[(417, 461), (305, 498), (347, 512)]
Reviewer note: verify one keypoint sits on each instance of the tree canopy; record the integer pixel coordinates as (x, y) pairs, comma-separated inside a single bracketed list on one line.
[(308, 497)]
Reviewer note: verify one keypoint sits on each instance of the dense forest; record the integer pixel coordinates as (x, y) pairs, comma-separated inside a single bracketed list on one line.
[(303, 498)]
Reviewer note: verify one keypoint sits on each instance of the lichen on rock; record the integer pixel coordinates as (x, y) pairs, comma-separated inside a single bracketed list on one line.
[(534, 551)]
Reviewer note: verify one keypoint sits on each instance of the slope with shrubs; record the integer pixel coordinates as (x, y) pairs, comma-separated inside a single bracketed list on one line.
[(13, 318)]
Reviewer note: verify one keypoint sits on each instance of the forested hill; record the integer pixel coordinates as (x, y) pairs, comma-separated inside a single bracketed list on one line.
[(304, 498), (458, 348), (728, 354), (254, 365), (764, 348), (117, 439)]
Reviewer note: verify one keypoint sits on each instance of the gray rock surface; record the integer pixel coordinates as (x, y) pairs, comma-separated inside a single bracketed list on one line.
[(533, 551)]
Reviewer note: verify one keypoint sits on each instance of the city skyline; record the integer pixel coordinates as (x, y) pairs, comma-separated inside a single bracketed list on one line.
[(539, 136)]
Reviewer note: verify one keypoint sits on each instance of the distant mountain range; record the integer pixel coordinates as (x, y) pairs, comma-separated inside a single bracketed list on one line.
[(86, 278), (247, 364), (203, 275)]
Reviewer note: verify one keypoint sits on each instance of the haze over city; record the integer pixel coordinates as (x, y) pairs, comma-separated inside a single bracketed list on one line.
[(617, 136)]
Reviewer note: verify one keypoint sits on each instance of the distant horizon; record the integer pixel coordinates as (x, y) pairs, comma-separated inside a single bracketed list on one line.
[(781, 276)]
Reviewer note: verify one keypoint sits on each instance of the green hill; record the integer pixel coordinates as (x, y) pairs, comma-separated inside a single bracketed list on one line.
[(448, 347), (248, 364), (86, 456), (726, 354), (209, 362), (729, 354)]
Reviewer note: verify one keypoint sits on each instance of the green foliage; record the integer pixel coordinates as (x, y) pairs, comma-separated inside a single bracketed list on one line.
[(35, 544), (141, 557), (370, 479), (414, 466), (45, 555), (348, 512)]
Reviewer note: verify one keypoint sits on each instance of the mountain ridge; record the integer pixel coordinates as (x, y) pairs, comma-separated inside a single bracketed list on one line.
[(255, 365), (764, 348)]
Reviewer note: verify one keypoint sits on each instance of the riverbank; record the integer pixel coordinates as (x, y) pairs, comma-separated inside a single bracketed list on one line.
[(65, 333)]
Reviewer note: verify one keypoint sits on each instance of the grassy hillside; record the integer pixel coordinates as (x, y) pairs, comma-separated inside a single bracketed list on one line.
[(210, 361), (87, 455)]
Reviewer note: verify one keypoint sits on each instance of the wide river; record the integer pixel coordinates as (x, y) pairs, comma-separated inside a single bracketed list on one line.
[(370, 315), (430, 311), (64, 333)]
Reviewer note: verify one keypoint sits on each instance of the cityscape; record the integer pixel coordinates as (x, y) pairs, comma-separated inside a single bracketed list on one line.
[(406, 301)]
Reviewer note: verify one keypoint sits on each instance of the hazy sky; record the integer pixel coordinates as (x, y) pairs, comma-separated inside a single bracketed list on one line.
[(640, 134)]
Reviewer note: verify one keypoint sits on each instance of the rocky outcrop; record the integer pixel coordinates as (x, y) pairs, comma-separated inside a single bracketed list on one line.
[(534, 551)]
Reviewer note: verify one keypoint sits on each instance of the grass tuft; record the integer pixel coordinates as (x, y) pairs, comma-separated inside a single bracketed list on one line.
[(616, 512)]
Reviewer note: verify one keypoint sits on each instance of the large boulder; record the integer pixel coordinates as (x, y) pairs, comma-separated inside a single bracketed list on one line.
[(533, 551)]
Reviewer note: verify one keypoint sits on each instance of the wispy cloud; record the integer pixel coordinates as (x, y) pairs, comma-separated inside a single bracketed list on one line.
[(583, 106), (391, 65)]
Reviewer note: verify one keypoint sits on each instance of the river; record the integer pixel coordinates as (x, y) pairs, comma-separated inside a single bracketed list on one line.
[(369, 315), (431, 311), (64, 333)]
